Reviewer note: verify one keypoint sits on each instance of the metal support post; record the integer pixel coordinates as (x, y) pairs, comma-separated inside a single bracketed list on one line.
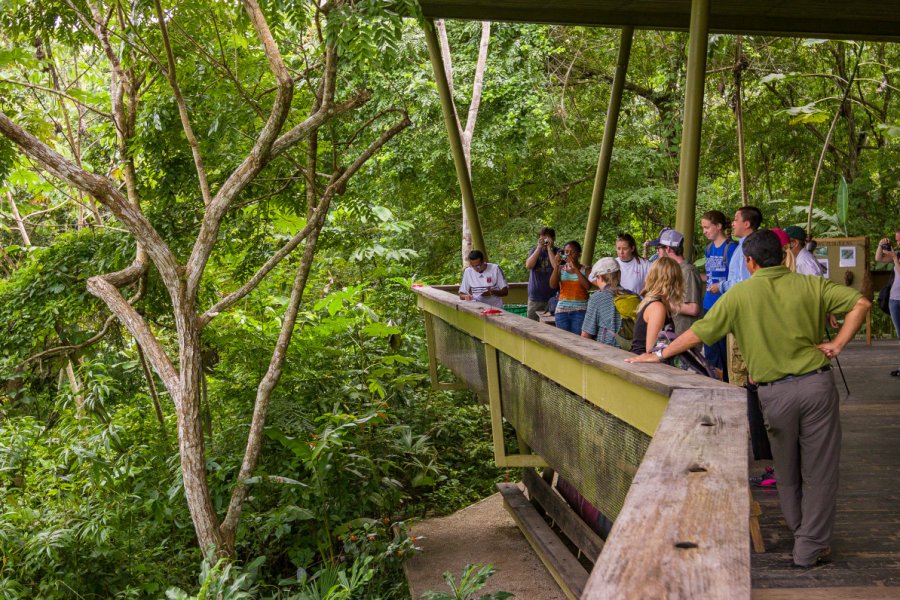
[(606, 146), (693, 121), (453, 134)]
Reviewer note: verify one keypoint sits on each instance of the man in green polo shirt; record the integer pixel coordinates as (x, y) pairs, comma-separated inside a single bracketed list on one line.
[(778, 319)]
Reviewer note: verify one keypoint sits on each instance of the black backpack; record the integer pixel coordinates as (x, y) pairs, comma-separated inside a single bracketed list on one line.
[(884, 296)]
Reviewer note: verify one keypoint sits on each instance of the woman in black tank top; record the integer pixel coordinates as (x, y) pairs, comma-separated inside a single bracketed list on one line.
[(663, 294)]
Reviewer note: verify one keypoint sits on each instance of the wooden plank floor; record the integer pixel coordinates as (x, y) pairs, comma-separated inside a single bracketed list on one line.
[(866, 541)]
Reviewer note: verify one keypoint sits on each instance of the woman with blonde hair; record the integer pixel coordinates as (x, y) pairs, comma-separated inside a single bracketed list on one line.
[(663, 293), (788, 261)]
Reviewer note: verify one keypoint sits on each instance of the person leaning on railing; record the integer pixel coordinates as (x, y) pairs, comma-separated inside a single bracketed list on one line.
[(663, 295), (778, 319), (483, 281)]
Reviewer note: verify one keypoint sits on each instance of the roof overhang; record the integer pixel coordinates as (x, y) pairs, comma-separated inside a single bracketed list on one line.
[(835, 19)]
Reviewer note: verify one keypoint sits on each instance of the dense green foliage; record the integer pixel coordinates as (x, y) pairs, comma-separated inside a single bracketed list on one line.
[(356, 442)]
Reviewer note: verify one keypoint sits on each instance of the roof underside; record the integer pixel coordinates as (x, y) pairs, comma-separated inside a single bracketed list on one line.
[(840, 19)]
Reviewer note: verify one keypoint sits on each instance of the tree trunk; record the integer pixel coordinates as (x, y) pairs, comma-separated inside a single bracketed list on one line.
[(466, 133), (739, 66), (190, 440)]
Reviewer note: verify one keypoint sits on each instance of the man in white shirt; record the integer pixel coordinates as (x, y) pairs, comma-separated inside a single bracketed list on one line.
[(806, 262), (483, 281)]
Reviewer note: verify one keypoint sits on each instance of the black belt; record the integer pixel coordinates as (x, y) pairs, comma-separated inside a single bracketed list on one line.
[(795, 377)]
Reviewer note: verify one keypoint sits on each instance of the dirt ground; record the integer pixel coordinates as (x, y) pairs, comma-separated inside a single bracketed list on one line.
[(482, 533)]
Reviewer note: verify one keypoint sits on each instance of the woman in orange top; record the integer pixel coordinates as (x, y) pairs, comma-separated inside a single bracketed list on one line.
[(570, 276)]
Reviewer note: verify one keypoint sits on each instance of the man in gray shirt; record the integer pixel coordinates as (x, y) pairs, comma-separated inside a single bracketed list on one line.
[(671, 244)]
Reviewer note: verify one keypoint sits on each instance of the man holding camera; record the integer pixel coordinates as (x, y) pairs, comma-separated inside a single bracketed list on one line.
[(887, 253), (540, 269)]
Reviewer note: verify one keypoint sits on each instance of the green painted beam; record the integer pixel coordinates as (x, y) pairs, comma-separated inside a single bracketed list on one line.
[(835, 19), (639, 406), (453, 134), (693, 122), (606, 146)]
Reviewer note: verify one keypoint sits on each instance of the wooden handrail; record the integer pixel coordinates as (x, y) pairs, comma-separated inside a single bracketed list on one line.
[(683, 530)]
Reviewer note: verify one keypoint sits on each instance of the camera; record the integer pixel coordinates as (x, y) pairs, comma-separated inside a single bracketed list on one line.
[(886, 247), (545, 242), (563, 257)]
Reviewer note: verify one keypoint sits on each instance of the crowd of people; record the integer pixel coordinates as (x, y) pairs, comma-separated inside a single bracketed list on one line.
[(758, 311)]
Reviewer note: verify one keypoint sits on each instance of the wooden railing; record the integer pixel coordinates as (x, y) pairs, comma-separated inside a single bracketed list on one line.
[(661, 451)]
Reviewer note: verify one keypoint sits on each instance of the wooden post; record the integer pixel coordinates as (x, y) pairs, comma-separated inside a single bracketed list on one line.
[(456, 146), (693, 121), (436, 383), (432, 351), (606, 146), (525, 459)]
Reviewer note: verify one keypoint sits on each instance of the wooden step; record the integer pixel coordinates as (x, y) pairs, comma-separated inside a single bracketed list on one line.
[(560, 562)]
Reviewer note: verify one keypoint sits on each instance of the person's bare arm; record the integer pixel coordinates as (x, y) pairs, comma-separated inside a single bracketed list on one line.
[(686, 340), (554, 277), (882, 255), (655, 318), (690, 309), (582, 278), (852, 322), (532, 260)]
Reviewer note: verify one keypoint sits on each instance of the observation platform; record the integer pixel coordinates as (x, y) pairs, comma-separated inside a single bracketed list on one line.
[(664, 454), (866, 541)]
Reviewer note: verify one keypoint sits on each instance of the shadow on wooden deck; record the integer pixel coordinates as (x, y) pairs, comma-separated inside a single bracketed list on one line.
[(866, 540)]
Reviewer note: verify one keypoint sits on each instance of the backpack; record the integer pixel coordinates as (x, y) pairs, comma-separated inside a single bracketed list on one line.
[(884, 296), (690, 360), (729, 243), (626, 305)]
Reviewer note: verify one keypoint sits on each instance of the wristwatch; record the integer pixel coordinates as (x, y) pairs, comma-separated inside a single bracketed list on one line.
[(659, 353)]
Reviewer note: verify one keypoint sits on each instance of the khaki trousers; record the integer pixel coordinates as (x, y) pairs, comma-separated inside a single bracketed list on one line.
[(804, 425), (534, 307), (737, 368)]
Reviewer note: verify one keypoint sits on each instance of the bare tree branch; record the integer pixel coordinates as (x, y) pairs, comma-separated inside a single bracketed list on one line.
[(135, 323), (57, 350), (58, 93), (478, 83), (20, 222), (254, 163), (264, 392), (270, 264), (270, 380), (103, 190), (172, 76)]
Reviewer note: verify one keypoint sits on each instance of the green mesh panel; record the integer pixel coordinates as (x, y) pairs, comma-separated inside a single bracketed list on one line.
[(594, 450), (463, 355)]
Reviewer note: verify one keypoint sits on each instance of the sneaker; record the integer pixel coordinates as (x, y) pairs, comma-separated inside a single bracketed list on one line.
[(766, 480)]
